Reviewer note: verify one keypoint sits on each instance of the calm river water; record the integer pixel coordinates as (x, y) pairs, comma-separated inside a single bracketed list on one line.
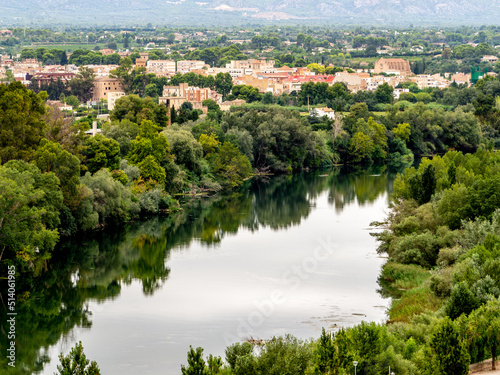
[(289, 255)]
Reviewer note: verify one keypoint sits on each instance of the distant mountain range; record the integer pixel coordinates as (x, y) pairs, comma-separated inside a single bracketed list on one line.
[(238, 12)]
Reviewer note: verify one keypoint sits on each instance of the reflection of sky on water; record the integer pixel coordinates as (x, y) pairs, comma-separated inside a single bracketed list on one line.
[(212, 292)]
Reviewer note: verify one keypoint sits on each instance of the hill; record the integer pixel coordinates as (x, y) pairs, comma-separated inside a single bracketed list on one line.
[(237, 12)]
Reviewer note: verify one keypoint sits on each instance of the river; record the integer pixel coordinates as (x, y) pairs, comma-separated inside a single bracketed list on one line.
[(291, 254)]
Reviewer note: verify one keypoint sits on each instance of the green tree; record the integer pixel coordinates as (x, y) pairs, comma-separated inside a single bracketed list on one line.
[(196, 363), (326, 358), (235, 351), (123, 74), (50, 157), (110, 199), (231, 166), (72, 100), (151, 169), (211, 104), (402, 131), (82, 86), (284, 355), (21, 122), (123, 132), (64, 59), (186, 150), (223, 83), (29, 214), (170, 38), (361, 146), (148, 142), (485, 322), (209, 143), (383, 93), (462, 301), (76, 363), (423, 185), (102, 152), (135, 109), (450, 351)]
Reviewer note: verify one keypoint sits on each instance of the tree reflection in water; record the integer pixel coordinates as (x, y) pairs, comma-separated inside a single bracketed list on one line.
[(94, 266)]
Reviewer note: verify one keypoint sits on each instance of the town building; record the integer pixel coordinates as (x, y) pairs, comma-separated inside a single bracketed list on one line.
[(48, 77), (226, 106), (186, 66), (113, 96), (59, 105), (161, 67), (320, 112), (393, 66), (105, 85), (490, 59), (177, 95)]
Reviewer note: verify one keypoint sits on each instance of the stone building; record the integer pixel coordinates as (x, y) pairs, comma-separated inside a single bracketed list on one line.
[(396, 66)]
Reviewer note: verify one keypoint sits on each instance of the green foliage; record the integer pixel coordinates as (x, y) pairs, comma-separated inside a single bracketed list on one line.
[(230, 166), (485, 322), (284, 355), (185, 149), (235, 351), (383, 93), (435, 130), (83, 84), (361, 146), (422, 186), (21, 124), (136, 110), (29, 214), (450, 351), (73, 101), (148, 143), (151, 169), (402, 131), (123, 132), (281, 140), (110, 199), (76, 363), (209, 143), (326, 358), (247, 93), (50, 157), (102, 152), (243, 139), (196, 363), (462, 301)]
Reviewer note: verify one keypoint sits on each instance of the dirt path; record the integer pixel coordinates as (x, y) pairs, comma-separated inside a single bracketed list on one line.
[(484, 368)]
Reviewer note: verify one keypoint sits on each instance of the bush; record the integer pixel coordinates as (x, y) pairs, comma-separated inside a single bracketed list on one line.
[(462, 301)]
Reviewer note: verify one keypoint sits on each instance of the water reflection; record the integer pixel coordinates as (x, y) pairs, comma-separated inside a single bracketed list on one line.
[(94, 267)]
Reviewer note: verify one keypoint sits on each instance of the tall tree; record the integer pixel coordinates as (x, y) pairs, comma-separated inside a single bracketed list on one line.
[(76, 363), (29, 214), (485, 322), (21, 123), (83, 85), (123, 74), (450, 351)]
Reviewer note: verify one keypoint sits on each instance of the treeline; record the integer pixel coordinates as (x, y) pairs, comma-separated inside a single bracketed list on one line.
[(446, 218), (428, 345), (59, 180)]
